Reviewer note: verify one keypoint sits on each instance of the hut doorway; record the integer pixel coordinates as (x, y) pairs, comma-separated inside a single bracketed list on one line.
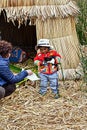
[(23, 37)]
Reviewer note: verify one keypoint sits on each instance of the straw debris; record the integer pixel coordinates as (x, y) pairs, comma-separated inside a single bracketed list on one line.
[(25, 109)]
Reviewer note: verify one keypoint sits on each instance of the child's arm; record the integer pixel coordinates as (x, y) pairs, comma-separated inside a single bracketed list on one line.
[(57, 54), (58, 57), (37, 61)]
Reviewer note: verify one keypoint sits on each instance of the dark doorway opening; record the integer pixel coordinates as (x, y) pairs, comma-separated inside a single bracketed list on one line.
[(23, 37)]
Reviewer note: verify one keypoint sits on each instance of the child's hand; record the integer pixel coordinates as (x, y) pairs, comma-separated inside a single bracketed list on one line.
[(29, 72), (41, 63), (51, 61), (59, 60)]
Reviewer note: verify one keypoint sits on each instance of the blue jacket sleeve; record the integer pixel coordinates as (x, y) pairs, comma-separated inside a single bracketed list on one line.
[(7, 75)]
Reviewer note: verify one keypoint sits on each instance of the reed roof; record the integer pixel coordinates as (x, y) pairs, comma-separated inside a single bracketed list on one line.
[(22, 10)]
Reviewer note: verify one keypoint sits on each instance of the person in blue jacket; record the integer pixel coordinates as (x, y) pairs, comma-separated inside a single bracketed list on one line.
[(7, 78)]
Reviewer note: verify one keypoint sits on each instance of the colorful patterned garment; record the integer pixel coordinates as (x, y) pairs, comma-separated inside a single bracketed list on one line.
[(47, 63), (17, 55)]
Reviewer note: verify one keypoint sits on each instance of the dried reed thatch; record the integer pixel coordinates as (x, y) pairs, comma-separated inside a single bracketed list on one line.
[(58, 25), (14, 3), (63, 38), (38, 9)]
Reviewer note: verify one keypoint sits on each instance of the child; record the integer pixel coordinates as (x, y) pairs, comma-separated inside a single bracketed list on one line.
[(7, 78), (47, 61)]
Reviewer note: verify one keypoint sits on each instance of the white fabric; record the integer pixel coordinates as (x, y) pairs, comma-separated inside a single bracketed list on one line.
[(33, 77), (43, 42)]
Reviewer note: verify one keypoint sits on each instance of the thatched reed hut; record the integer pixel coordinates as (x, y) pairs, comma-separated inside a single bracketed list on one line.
[(52, 19)]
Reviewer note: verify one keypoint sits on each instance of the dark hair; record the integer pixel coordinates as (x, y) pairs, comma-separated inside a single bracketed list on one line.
[(5, 48), (38, 47)]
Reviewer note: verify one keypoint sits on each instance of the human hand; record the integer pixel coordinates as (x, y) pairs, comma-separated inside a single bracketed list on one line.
[(51, 61), (29, 72), (59, 60), (43, 63)]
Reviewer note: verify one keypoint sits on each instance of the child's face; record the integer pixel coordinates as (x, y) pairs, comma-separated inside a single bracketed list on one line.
[(44, 49)]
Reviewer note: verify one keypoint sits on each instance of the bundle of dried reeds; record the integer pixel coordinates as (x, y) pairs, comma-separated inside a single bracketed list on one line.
[(69, 50), (21, 14), (13, 3), (51, 9), (53, 28), (50, 2), (63, 38), (54, 11)]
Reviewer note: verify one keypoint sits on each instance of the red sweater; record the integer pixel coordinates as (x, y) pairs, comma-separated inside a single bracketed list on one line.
[(44, 67)]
